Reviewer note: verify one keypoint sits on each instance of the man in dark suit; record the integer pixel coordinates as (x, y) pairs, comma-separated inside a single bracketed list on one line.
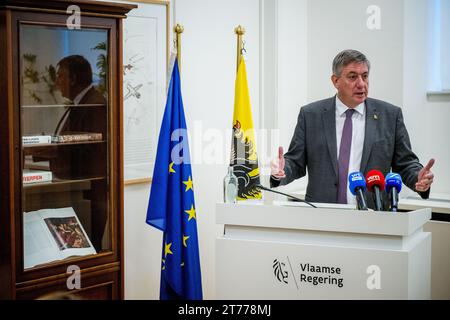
[(87, 112), (87, 106), (349, 133)]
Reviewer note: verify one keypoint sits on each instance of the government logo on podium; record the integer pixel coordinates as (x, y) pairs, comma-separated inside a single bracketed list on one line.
[(279, 271)]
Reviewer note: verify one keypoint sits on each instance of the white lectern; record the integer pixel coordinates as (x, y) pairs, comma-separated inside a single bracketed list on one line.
[(286, 250)]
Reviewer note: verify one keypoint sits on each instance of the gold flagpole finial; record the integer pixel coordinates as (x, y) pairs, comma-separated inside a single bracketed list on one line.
[(178, 29), (239, 30)]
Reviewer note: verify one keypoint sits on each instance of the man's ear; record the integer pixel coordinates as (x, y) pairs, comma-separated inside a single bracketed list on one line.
[(335, 80)]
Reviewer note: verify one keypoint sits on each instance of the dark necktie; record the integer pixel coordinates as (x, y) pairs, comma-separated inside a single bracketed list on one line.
[(344, 156), (62, 122)]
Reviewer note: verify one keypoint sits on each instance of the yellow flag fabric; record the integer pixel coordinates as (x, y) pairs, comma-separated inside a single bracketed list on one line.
[(244, 157)]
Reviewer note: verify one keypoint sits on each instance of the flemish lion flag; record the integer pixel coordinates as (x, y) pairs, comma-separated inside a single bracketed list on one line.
[(244, 158)]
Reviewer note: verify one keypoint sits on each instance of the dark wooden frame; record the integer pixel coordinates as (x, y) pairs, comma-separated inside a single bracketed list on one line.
[(102, 275)]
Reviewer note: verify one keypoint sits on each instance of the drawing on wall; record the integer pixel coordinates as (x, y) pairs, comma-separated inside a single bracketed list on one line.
[(144, 76)]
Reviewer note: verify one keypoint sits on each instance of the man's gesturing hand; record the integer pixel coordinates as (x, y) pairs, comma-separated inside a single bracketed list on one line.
[(425, 177), (277, 165)]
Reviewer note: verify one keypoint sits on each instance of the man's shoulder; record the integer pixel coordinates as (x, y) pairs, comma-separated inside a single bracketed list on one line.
[(381, 105), (320, 105), (325, 104), (93, 96)]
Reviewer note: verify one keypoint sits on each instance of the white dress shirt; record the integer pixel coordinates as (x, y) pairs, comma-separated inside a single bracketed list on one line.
[(76, 101), (358, 133)]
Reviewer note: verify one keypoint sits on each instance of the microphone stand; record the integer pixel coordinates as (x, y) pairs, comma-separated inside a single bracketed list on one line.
[(285, 194), (377, 198), (394, 199), (360, 200)]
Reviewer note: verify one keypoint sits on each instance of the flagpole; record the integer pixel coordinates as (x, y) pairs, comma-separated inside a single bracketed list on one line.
[(178, 29), (239, 30)]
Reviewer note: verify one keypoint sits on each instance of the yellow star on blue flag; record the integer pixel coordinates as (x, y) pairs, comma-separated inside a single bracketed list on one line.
[(172, 193), (189, 184), (191, 213)]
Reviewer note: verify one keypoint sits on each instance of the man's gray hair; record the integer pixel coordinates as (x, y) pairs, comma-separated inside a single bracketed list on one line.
[(346, 57)]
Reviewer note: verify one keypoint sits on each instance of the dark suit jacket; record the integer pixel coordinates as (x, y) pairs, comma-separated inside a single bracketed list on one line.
[(313, 148), (83, 160), (87, 160), (89, 118)]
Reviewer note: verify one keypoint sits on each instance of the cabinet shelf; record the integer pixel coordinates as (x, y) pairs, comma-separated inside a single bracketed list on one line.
[(54, 263), (59, 144), (57, 183), (63, 262), (37, 106), (74, 214)]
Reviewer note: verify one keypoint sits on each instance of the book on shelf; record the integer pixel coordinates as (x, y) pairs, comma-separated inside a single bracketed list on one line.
[(36, 176), (35, 163), (38, 139), (52, 235), (77, 137)]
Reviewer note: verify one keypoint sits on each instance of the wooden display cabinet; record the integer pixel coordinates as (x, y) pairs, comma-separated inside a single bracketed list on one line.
[(61, 191)]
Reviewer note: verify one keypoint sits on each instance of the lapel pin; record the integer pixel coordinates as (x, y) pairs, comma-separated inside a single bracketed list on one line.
[(375, 117)]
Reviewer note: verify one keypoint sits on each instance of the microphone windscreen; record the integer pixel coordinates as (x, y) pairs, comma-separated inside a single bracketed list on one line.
[(393, 180), (355, 180), (375, 178)]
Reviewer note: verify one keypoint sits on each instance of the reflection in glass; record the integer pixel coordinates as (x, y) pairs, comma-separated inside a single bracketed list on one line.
[(38, 61), (64, 112)]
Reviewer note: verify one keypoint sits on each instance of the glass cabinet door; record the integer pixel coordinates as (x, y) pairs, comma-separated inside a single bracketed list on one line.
[(64, 130)]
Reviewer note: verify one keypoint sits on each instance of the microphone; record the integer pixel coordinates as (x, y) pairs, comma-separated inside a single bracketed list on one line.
[(285, 194), (375, 184), (357, 185), (393, 188)]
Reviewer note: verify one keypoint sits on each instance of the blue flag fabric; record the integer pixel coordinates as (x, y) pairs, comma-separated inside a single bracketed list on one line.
[(171, 206)]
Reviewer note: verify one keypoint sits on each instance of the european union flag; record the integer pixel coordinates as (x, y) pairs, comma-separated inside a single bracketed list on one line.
[(171, 207)]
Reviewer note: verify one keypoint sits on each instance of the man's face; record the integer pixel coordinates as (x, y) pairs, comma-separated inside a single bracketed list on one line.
[(63, 82), (353, 84)]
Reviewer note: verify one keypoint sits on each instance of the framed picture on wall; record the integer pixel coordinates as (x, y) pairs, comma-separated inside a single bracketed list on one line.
[(145, 54)]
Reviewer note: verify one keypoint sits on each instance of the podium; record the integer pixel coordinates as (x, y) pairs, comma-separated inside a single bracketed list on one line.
[(288, 250)]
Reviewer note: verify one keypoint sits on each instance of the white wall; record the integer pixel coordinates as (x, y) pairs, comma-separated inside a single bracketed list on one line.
[(307, 35), (292, 71), (337, 25), (143, 246), (207, 81), (208, 76), (426, 118)]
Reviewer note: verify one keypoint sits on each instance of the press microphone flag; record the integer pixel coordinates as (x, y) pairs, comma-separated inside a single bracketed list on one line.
[(393, 188), (357, 185), (375, 184)]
